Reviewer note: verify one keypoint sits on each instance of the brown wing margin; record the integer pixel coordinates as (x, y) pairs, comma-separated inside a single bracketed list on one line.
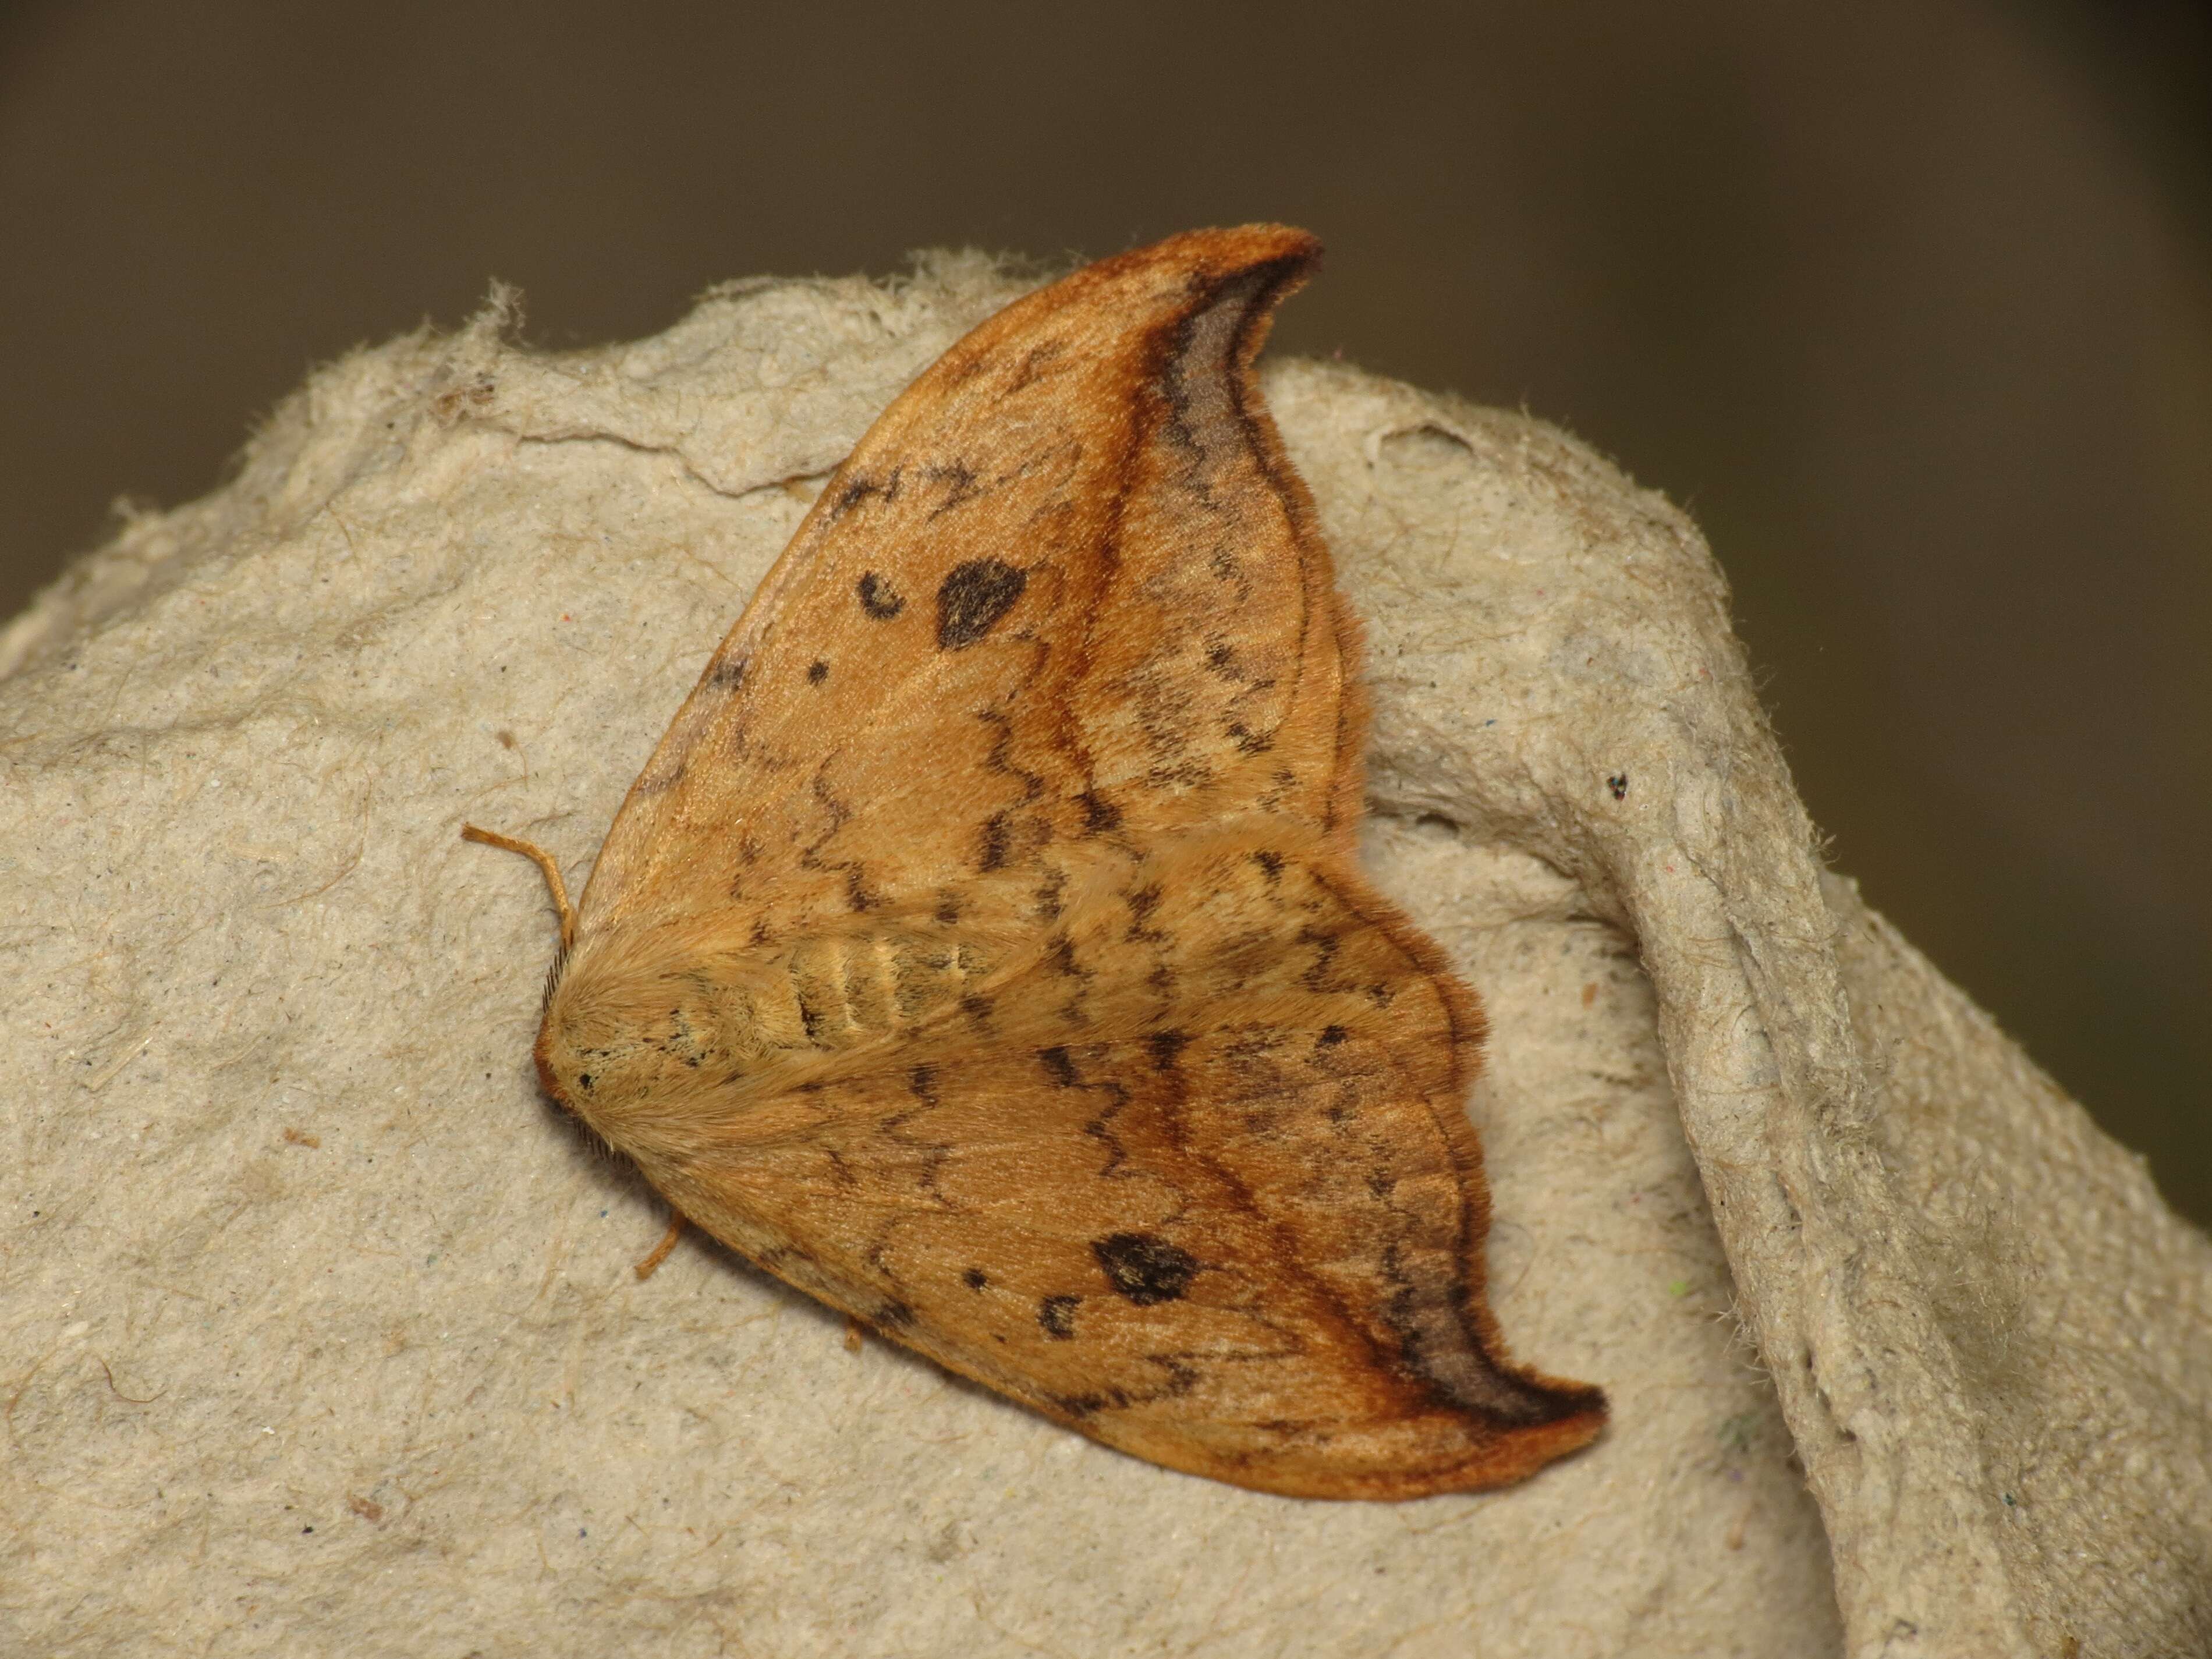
[(1336, 646), (1211, 519)]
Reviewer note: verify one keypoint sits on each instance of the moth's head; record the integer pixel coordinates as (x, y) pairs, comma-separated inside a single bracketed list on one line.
[(639, 1032)]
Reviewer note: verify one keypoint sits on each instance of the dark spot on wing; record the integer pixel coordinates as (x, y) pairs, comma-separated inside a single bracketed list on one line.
[(727, 671), (1142, 902), (1048, 896), (816, 672), (860, 489), (975, 1279), (1324, 947), (658, 779), (1271, 865), (1033, 367), (975, 594), (997, 836), (959, 480), (1059, 1066), (857, 895), (878, 597), (1331, 1036), (1165, 1047), (1145, 1269), (1099, 814), (1057, 1315)]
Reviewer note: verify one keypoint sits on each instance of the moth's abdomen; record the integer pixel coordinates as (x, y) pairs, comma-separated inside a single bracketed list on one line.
[(644, 1034), (840, 989)]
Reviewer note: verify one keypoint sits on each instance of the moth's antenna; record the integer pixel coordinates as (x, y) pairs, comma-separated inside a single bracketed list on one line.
[(544, 859)]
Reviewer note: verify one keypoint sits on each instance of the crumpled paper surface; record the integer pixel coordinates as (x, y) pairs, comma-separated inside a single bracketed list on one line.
[(320, 1329)]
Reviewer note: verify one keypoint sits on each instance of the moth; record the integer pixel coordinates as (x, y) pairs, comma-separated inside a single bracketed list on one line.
[(984, 951)]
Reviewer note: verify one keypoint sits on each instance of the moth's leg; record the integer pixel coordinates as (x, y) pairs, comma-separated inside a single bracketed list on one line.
[(854, 1332), (544, 859), (646, 1268)]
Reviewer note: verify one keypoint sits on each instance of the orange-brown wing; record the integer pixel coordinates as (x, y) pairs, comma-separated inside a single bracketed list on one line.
[(1198, 1182), (1067, 586)]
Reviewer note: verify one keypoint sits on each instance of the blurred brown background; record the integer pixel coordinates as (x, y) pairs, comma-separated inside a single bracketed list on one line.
[(1910, 302)]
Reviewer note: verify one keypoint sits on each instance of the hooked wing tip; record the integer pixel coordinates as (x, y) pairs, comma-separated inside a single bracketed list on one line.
[(1204, 259)]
